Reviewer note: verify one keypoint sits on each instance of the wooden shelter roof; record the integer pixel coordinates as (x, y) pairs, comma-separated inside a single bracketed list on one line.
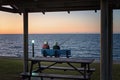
[(18, 6)]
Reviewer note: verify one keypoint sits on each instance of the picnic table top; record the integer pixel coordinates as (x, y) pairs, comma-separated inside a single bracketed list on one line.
[(53, 59)]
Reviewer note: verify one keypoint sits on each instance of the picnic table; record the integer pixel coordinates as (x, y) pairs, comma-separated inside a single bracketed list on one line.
[(85, 70)]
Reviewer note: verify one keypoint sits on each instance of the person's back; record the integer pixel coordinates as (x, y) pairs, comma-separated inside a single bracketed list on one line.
[(45, 45), (56, 46)]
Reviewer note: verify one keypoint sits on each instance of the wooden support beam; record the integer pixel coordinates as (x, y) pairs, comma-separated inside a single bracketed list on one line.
[(106, 41), (16, 8), (8, 10), (25, 19), (110, 42)]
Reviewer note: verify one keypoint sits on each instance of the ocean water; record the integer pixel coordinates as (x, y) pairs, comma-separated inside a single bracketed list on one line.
[(81, 45)]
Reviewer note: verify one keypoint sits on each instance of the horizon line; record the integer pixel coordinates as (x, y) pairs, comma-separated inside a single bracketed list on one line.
[(51, 33)]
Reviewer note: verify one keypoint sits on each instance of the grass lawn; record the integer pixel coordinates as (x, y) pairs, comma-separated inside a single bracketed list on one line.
[(10, 69)]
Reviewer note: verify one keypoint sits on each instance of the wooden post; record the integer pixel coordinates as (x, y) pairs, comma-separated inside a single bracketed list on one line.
[(106, 41), (33, 50), (110, 43), (25, 19)]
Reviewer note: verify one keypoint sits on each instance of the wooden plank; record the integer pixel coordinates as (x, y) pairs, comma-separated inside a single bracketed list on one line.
[(67, 68), (65, 60), (55, 76)]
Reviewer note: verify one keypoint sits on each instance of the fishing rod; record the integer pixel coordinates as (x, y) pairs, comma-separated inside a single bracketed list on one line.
[(66, 40)]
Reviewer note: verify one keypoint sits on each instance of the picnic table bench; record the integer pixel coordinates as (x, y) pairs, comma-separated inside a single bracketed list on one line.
[(84, 70)]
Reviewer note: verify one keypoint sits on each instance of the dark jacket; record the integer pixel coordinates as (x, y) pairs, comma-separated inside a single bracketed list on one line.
[(56, 47)]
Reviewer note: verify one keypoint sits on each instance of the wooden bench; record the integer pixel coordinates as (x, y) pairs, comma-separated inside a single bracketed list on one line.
[(84, 70), (90, 71), (67, 68), (56, 52), (52, 76)]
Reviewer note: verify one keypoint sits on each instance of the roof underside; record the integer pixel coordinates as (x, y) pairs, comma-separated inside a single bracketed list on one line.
[(19, 6)]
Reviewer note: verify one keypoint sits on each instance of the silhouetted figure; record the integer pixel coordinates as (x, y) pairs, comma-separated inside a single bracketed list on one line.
[(56, 46), (45, 45)]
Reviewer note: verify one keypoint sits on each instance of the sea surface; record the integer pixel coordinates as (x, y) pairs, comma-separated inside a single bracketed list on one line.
[(81, 45)]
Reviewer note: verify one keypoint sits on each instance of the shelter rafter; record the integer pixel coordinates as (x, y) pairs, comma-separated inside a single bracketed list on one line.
[(18, 6)]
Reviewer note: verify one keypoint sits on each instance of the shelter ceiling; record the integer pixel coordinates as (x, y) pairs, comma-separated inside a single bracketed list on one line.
[(19, 6)]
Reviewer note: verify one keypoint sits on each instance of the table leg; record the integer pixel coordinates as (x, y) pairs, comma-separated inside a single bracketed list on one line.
[(74, 68), (31, 68), (85, 70), (40, 69), (88, 68)]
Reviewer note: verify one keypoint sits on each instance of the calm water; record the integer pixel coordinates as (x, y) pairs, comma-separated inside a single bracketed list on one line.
[(81, 45)]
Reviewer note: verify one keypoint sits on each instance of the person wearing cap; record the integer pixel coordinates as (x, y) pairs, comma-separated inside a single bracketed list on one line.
[(56, 46), (45, 45)]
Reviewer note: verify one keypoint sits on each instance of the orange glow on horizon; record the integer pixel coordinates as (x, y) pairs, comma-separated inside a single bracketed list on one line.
[(65, 23), (76, 22)]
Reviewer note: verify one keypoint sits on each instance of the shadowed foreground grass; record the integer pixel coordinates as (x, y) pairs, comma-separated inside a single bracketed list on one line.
[(10, 69)]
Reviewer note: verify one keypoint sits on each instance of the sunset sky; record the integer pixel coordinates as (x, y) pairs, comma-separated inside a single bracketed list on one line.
[(56, 22)]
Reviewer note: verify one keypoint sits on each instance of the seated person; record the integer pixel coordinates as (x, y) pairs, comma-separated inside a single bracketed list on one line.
[(45, 45), (56, 46)]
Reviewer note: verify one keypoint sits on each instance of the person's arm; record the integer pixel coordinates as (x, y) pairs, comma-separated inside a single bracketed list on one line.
[(58, 47), (48, 47)]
